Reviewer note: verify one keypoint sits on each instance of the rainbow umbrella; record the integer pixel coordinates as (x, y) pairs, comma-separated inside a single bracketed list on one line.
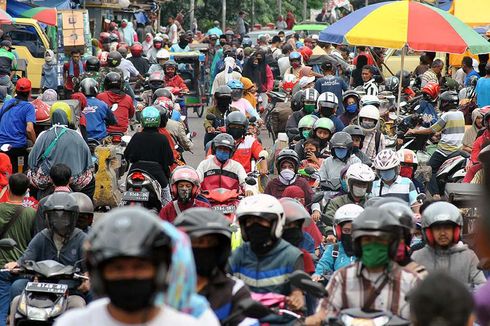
[(5, 18), (44, 15), (405, 24)]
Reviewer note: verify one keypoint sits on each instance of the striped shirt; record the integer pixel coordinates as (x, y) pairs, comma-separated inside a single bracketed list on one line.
[(402, 188), (370, 87), (350, 287), (451, 125), (429, 77)]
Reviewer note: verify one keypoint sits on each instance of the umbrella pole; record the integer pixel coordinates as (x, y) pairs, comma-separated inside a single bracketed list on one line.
[(400, 85)]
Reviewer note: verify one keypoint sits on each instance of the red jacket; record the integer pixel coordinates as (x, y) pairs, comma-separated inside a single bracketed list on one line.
[(168, 212), (124, 111), (477, 145), (176, 81)]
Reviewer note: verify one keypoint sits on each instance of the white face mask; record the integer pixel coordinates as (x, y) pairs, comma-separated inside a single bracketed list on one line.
[(287, 177), (358, 192)]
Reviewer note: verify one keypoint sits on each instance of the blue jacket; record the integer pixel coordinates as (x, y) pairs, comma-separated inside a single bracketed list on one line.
[(266, 273), (326, 264), (98, 115), (428, 113)]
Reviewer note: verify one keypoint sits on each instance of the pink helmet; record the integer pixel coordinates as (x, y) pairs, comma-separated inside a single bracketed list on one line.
[(185, 173)]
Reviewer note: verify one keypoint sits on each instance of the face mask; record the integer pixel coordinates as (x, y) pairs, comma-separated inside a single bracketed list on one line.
[(260, 60), (260, 238), (375, 254), (326, 112), (368, 124), (309, 108), (222, 155), (296, 65), (358, 192), (287, 177), (406, 171), (236, 133), (341, 153), (346, 240), (223, 104), (206, 260), (351, 108), (131, 295), (183, 44), (60, 224), (305, 134), (401, 252), (184, 194), (123, 25), (343, 184), (239, 57), (387, 175), (293, 235)]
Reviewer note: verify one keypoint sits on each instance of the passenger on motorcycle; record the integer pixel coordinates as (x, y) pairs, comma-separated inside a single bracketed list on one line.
[(262, 220), (185, 189), (152, 53), (451, 126), (312, 153), (408, 167), (340, 254), (139, 61), (220, 109), (427, 105), (162, 57), (172, 79), (92, 68), (303, 103), (357, 135), (471, 134), (329, 174), (164, 116), (60, 144), (119, 102), (175, 128), (97, 113), (156, 80), (211, 245), (374, 140), (239, 102), (129, 257), (85, 211), (60, 241), (482, 139), (391, 183), (113, 61), (150, 151), (442, 227), (323, 130), (331, 83), (220, 170), (229, 73), (375, 236), (351, 101), (327, 105), (305, 128)]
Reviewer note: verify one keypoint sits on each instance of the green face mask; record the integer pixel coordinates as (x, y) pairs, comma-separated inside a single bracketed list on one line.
[(306, 134), (375, 254), (309, 108)]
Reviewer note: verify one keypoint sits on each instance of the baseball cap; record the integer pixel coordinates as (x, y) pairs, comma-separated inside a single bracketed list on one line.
[(6, 43), (23, 85)]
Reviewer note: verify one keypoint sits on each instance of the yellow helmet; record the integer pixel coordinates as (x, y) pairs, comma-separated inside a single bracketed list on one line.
[(63, 106)]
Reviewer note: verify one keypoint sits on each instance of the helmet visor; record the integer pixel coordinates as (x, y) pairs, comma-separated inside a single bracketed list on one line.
[(61, 222)]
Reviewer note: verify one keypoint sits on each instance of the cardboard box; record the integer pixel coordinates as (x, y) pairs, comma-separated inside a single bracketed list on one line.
[(73, 37), (72, 19)]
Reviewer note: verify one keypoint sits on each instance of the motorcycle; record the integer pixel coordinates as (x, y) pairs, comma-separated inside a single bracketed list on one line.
[(224, 201), (452, 170), (45, 299), (274, 99), (356, 316), (142, 190)]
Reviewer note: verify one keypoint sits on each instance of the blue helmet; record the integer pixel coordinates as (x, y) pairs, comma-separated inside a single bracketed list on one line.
[(295, 55), (235, 84)]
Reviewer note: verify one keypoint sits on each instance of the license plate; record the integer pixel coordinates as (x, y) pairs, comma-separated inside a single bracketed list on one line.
[(225, 209), (136, 196), (46, 287)]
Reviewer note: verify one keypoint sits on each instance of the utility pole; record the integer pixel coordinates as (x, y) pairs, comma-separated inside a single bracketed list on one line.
[(304, 10), (223, 18), (366, 3), (191, 14), (279, 7), (253, 16)]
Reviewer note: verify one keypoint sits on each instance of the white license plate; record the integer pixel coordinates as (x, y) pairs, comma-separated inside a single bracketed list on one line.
[(136, 196), (46, 287), (225, 209)]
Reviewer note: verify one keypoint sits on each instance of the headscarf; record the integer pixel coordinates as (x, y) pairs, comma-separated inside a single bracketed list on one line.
[(247, 85), (128, 33), (257, 74), (147, 45), (181, 292), (70, 149), (230, 65)]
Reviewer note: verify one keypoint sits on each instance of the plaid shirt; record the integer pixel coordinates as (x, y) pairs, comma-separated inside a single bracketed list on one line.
[(369, 144), (351, 286)]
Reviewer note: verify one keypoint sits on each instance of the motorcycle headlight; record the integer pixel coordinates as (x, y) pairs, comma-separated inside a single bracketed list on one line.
[(37, 314), (58, 308)]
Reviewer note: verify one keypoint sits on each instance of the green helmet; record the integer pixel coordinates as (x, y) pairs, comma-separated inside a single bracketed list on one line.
[(150, 117), (307, 121), (324, 123)]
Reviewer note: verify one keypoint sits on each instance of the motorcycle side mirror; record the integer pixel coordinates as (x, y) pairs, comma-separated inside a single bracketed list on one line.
[(253, 309), (403, 104), (317, 197), (5, 147), (310, 170), (293, 131), (304, 282), (126, 139), (7, 244), (252, 120), (210, 117), (250, 181), (264, 155)]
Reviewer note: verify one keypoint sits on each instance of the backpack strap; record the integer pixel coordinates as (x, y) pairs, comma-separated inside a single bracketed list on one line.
[(49, 149), (176, 206), (377, 141), (18, 210), (335, 253)]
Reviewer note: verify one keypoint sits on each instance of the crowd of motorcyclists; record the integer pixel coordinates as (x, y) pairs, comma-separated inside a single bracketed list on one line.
[(337, 201)]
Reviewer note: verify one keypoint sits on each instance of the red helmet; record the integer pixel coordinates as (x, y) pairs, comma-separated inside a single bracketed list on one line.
[(165, 102), (306, 53), (432, 89), (136, 50), (185, 173), (289, 82)]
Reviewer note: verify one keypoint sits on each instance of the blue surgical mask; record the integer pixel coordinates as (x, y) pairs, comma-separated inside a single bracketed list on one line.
[(387, 175), (222, 155), (343, 184), (341, 153), (351, 108)]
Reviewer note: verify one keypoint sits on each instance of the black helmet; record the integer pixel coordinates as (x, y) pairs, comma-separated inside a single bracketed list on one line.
[(113, 80), (341, 139), (161, 92), (392, 83), (223, 140), (448, 100), (86, 210), (287, 155), (246, 42), (405, 78), (294, 210), (375, 221), (236, 118), (400, 209), (223, 92), (170, 63), (61, 213), (114, 59), (92, 64), (164, 115), (128, 232), (297, 101), (200, 221), (89, 87)]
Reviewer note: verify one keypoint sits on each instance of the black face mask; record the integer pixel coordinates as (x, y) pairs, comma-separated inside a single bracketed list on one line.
[(131, 295), (326, 112), (236, 133), (183, 44), (223, 104), (207, 260), (294, 236), (260, 238), (347, 244)]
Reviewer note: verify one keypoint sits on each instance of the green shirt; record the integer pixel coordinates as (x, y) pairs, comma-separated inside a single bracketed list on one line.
[(20, 231)]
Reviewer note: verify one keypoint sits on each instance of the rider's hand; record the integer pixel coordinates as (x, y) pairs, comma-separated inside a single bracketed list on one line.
[(316, 319), (410, 131), (249, 193), (11, 265), (331, 238), (210, 130), (312, 157), (296, 300), (85, 286), (316, 277), (315, 216)]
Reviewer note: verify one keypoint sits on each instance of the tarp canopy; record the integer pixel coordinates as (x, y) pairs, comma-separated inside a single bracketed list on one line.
[(16, 8), (472, 12)]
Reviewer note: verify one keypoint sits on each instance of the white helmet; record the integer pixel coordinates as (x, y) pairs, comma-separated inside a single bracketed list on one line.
[(311, 95), (360, 172), (407, 156), (385, 160), (370, 112), (346, 213), (264, 206), (327, 99), (370, 100), (163, 54)]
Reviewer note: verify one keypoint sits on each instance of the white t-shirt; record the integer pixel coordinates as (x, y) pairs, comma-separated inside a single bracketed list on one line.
[(96, 313), (173, 31)]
